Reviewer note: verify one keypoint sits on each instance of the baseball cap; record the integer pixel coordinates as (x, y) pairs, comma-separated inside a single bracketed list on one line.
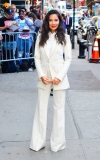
[(9, 11)]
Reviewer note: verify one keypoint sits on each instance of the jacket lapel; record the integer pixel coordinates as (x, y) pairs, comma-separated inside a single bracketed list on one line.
[(46, 50), (53, 47)]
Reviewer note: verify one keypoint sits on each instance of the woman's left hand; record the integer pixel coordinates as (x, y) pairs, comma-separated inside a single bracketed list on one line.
[(56, 81)]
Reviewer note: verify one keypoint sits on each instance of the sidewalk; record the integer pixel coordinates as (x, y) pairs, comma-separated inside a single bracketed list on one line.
[(18, 95)]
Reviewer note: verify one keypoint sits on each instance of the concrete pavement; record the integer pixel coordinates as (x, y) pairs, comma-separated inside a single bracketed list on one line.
[(18, 95)]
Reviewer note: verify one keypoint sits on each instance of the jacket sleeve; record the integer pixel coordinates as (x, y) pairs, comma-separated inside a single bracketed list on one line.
[(68, 56), (38, 58)]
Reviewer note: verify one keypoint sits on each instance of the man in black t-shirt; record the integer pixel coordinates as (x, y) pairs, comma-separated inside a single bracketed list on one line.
[(6, 21), (8, 41)]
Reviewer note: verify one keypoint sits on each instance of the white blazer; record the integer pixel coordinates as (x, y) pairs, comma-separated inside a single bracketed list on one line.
[(55, 64)]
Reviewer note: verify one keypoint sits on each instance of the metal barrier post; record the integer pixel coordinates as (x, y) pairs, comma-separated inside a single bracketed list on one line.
[(11, 46), (82, 47), (90, 46)]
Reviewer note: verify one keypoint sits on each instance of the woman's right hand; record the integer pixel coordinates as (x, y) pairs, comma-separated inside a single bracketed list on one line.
[(46, 80)]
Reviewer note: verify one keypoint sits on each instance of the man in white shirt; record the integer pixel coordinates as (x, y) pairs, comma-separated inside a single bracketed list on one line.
[(16, 15)]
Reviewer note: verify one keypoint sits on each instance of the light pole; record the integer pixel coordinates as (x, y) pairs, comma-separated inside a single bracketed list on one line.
[(73, 37), (42, 5)]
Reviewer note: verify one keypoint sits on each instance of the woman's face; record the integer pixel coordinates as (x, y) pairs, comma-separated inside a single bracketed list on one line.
[(53, 22)]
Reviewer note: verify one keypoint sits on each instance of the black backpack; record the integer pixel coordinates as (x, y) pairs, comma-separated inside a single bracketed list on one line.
[(8, 67)]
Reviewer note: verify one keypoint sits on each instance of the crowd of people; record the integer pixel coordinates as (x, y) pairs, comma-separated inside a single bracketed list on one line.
[(20, 21)]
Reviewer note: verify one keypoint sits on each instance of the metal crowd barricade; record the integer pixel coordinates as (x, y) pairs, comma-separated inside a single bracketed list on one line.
[(15, 48)]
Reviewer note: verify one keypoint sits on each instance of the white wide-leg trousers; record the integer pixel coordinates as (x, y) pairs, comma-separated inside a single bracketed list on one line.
[(57, 140)]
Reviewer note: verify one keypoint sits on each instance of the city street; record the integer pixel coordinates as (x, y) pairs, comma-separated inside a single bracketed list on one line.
[(18, 93)]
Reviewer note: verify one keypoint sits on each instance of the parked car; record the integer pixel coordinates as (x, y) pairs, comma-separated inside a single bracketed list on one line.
[(83, 9)]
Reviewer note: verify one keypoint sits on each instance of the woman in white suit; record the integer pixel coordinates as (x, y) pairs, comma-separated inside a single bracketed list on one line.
[(52, 73)]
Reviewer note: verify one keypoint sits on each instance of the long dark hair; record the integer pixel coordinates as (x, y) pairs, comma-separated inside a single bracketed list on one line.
[(31, 14), (60, 35)]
